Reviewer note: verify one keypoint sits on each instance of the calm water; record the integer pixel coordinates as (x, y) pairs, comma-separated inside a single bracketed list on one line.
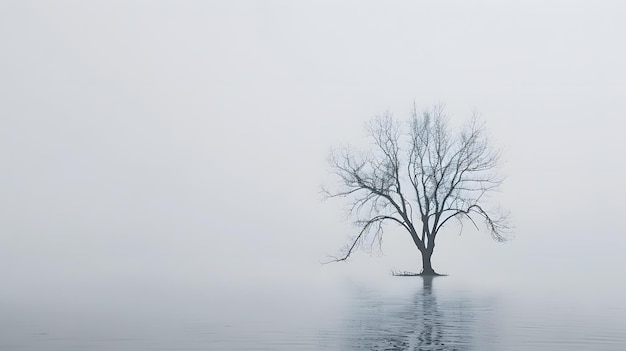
[(401, 314)]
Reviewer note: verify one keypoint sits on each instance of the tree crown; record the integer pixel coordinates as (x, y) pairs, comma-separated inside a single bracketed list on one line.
[(419, 175)]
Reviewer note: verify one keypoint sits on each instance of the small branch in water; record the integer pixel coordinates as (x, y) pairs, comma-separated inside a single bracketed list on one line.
[(396, 273)]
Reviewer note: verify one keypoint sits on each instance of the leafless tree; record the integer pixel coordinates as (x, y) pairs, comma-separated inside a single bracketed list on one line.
[(420, 180)]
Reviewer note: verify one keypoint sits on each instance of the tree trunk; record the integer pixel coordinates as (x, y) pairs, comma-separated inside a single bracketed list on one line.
[(427, 268)]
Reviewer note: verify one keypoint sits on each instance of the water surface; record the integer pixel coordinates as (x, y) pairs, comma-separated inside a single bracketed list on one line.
[(402, 313)]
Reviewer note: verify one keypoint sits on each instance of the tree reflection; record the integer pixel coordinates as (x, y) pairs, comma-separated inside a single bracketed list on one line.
[(418, 322)]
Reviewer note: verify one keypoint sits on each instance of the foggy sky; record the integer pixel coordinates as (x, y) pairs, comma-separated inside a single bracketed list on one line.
[(186, 142)]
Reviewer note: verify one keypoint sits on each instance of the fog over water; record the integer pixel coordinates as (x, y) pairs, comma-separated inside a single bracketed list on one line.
[(161, 161)]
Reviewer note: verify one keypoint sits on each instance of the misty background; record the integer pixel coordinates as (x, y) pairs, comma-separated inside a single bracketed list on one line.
[(155, 146)]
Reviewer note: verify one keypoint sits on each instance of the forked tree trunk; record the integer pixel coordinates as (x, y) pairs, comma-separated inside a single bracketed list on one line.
[(427, 268)]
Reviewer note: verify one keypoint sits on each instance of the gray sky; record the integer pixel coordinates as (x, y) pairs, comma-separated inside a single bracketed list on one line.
[(186, 141)]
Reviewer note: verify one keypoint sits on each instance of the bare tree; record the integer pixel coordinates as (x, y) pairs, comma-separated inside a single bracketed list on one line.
[(420, 180)]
